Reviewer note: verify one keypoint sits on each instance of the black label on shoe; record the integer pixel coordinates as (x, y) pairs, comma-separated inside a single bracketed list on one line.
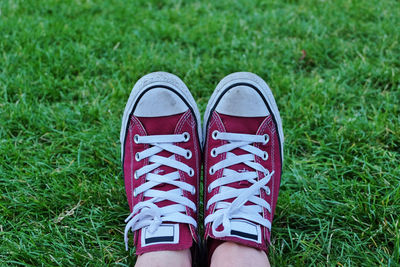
[(246, 230), (165, 234)]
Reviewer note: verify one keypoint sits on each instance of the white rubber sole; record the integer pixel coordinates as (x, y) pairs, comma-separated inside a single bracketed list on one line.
[(256, 81), (157, 79)]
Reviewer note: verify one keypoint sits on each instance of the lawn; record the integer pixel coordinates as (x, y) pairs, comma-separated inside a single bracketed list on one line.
[(67, 68)]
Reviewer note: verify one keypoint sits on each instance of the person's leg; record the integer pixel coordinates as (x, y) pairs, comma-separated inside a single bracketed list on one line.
[(179, 258), (232, 254)]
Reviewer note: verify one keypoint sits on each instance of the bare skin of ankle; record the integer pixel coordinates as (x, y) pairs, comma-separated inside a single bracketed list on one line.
[(165, 258), (231, 254)]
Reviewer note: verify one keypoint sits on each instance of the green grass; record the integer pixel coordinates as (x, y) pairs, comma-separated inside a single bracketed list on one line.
[(66, 70)]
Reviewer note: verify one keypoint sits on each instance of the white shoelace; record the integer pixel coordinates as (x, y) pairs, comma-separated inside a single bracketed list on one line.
[(224, 211), (147, 212)]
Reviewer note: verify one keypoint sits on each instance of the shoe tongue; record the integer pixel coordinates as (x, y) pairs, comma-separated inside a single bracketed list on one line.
[(244, 125), (160, 125), (164, 125)]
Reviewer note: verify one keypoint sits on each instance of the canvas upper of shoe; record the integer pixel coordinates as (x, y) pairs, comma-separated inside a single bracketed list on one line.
[(242, 170), (161, 163)]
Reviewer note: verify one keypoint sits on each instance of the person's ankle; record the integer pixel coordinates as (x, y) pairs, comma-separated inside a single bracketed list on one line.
[(234, 254), (167, 258)]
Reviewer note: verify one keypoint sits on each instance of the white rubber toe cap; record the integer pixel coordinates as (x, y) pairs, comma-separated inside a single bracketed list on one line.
[(242, 101), (159, 102)]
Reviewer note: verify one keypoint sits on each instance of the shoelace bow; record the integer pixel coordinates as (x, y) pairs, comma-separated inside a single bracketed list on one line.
[(224, 211), (147, 213)]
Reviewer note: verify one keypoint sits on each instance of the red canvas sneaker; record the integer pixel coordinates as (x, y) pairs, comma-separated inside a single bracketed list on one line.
[(243, 158), (161, 157)]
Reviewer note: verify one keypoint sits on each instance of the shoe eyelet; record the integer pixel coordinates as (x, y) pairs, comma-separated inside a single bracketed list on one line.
[(135, 175), (134, 193), (191, 172), (186, 135), (193, 190), (266, 139), (137, 156), (211, 171), (214, 152), (209, 189), (214, 135), (265, 156), (188, 154), (136, 139)]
